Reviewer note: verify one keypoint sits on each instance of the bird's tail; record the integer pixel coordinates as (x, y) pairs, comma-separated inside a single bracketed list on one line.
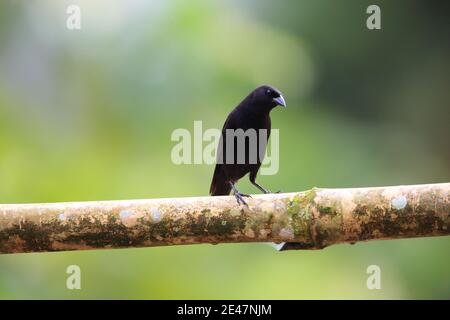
[(219, 184)]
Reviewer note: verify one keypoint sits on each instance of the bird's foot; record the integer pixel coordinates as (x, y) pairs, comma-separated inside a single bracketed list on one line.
[(240, 198), (269, 192)]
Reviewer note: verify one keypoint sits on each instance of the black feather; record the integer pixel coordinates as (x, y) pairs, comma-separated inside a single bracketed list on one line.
[(252, 113)]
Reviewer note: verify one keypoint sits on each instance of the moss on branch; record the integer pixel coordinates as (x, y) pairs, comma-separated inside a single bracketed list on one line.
[(313, 219)]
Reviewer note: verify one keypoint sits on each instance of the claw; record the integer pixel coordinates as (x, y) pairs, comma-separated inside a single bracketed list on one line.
[(240, 198)]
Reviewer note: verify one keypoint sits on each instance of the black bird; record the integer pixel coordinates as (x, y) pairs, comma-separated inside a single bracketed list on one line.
[(252, 113)]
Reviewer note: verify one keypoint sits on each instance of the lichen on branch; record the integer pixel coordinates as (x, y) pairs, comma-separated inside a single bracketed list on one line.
[(312, 219)]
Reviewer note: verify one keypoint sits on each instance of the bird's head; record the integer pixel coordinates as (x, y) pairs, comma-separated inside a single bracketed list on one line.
[(268, 97)]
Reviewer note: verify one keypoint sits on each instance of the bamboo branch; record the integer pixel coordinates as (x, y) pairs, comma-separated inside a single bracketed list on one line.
[(312, 219)]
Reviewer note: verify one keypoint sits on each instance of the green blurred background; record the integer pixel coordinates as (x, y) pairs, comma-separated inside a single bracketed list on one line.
[(88, 115)]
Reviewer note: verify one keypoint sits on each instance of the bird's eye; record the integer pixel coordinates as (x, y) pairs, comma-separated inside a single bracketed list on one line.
[(268, 92)]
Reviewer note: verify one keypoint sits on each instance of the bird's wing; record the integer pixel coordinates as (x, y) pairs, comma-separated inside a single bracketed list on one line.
[(230, 123), (254, 170), (219, 183)]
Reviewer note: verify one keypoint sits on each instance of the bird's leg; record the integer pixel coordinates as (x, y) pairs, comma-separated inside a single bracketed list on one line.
[(253, 181), (239, 196), (263, 190)]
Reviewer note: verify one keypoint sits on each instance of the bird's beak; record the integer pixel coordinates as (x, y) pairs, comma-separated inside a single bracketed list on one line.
[(280, 101)]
